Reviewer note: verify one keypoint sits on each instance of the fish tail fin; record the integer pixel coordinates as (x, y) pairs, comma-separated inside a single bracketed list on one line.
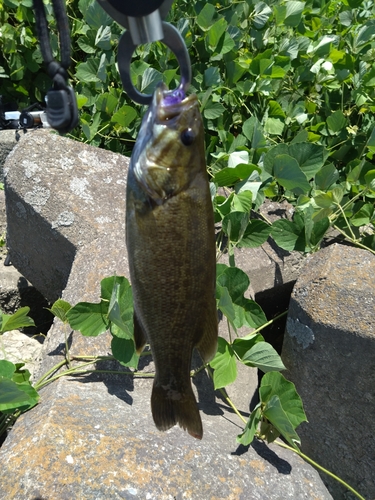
[(169, 409), (139, 336)]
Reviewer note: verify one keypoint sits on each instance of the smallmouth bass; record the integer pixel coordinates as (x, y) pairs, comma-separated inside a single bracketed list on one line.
[(172, 257)]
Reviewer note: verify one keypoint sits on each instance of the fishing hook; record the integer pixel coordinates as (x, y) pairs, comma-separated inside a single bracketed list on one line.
[(174, 41)]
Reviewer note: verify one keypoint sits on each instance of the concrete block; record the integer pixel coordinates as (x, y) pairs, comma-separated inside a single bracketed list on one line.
[(329, 350), (92, 436)]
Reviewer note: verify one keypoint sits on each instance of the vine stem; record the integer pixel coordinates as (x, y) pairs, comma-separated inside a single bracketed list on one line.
[(227, 398), (53, 369), (260, 328), (312, 462), (354, 241)]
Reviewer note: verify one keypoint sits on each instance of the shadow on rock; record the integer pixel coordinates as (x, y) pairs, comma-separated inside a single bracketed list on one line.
[(117, 378), (282, 466)]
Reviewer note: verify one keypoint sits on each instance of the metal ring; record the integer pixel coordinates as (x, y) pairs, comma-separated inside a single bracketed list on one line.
[(174, 41)]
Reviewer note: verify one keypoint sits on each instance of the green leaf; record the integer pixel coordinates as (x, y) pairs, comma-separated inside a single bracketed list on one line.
[(336, 121), (234, 225), (256, 233), (274, 126), (242, 202), (124, 116), (205, 17), (7, 368), (247, 436), (274, 412), (337, 194), (12, 396), (319, 229), (289, 174), (224, 364), (272, 153), (324, 200), (363, 216), (88, 71), (326, 176), (252, 129), (215, 32), (59, 309), (124, 351), (274, 383), (310, 157), (90, 319), (120, 310), (262, 13), (150, 78), (370, 179), (263, 356), (225, 303), (21, 375), (103, 38), (212, 76), (85, 45), (288, 235), (94, 15), (293, 14), (234, 279), (106, 103), (242, 345), (213, 110), (229, 176), (15, 321)]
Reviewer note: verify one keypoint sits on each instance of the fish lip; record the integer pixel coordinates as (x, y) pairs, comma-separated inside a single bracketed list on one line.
[(167, 109)]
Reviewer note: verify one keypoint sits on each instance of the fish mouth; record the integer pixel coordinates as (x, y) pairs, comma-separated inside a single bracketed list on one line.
[(170, 104)]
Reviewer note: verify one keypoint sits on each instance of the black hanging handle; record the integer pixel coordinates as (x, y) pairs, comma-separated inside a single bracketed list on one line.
[(62, 110)]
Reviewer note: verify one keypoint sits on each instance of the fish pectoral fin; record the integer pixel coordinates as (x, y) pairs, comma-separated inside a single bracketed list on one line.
[(207, 346), (139, 335), (169, 408)]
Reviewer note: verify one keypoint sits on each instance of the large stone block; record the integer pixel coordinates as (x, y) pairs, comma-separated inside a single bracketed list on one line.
[(54, 188), (329, 350)]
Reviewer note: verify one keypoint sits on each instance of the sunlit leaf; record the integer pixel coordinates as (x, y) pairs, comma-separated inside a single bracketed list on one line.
[(224, 364), (289, 174), (60, 308), (90, 319), (17, 320), (263, 356)]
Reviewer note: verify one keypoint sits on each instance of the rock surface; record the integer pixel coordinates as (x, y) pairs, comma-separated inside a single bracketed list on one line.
[(18, 347), (92, 436), (329, 350)]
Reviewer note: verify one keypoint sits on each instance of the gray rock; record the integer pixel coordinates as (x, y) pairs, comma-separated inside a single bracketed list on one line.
[(96, 440), (18, 347), (329, 350), (7, 143), (92, 436), (56, 195)]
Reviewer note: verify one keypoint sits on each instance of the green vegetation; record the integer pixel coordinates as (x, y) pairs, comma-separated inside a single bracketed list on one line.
[(287, 92), (287, 95)]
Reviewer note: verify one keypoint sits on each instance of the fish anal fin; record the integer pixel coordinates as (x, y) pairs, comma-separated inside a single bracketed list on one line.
[(139, 335), (207, 346), (170, 408)]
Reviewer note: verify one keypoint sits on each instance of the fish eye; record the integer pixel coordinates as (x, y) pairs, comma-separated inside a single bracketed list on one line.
[(187, 137)]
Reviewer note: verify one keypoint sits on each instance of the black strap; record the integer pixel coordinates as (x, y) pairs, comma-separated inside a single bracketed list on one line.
[(62, 113)]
